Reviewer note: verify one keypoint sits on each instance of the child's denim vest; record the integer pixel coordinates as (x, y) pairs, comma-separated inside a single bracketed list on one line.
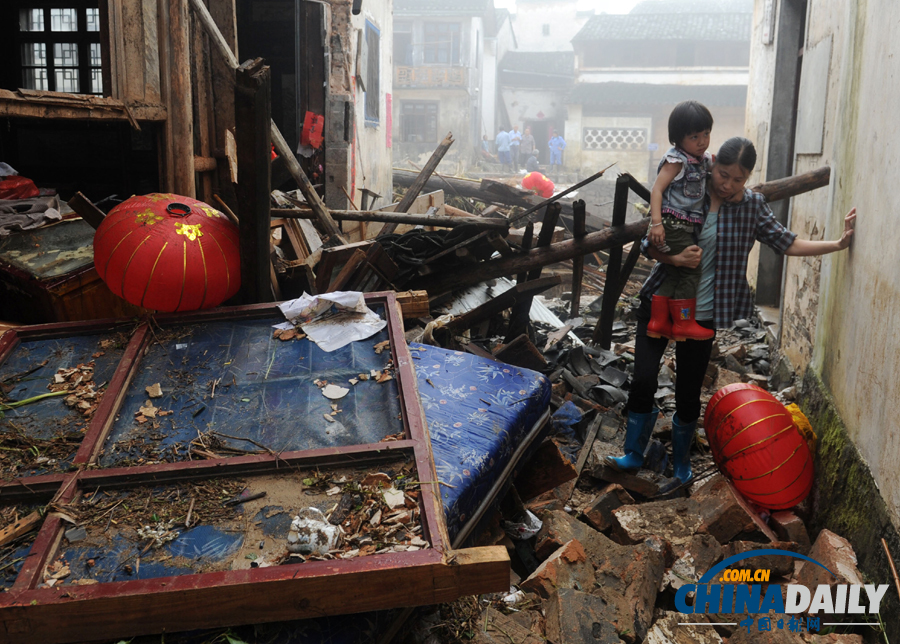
[(684, 198)]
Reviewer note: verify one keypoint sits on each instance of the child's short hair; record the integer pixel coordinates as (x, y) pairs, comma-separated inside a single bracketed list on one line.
[(688, 117)]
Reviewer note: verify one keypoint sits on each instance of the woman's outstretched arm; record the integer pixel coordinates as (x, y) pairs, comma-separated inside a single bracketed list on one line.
[(807, 248)]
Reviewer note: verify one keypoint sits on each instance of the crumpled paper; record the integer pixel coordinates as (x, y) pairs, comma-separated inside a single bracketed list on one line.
[(332, 320)]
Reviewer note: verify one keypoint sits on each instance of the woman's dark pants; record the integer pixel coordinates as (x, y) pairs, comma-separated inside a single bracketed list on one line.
[(691, 360)]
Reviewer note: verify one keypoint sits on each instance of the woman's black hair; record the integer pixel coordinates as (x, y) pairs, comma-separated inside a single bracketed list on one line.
[(688, 117), (737, 149)]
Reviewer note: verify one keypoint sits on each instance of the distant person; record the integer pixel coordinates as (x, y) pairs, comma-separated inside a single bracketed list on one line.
[(527, 148), (532, 164), (486, 150), (676, 209), (515, 140), (502, 142), (557, 145)]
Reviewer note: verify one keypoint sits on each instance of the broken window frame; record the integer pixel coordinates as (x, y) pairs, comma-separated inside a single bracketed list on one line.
[(419, 125), (65, 613), (443, 50), (373, 74), (88, 72)]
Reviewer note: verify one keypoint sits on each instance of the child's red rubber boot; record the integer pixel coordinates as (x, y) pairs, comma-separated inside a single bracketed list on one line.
[(683, 325), (660, 324)]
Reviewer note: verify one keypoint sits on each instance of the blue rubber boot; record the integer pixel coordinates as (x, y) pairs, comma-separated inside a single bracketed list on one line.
[(682, 437), (637, 435)]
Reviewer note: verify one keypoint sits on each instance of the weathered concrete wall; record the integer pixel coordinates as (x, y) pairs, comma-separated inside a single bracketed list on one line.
[(846, 498), (841, 312), (454, 115)]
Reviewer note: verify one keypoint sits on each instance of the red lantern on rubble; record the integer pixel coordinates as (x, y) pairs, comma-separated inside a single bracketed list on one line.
[(757, 445), (169, 253)]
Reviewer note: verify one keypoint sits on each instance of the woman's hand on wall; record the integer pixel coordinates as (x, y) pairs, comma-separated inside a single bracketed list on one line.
[(847, 235)]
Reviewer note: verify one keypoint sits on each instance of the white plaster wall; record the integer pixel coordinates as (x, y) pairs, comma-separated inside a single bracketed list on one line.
[(372, 156), (668, 75), (525, 104), (530, 18), (759, 108), (857, 348)]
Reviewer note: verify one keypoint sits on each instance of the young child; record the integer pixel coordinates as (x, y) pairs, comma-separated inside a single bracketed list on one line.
[(676, 207)]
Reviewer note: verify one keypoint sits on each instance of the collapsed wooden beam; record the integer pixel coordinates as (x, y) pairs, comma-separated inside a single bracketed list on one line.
[(790, 186), (439, 221), (420, 181), (600, 240)]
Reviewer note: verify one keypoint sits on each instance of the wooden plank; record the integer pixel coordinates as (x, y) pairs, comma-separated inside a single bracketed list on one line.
[(353, 263), (435, 221), (520, 315), (603, 331), (86, 210), (521, 352), (417, 185), (152, 92), (414, 304), (577, 262), (791, 186), (64, 107), (203, 111), (133, 26), (527, 239), (224, 14), (180, 122), (252, 104), (283, 593), (21, 527)]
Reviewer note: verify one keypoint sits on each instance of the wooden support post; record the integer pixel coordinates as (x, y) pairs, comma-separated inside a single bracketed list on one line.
[(179, 128), (519, 317), (790, 186), (420, 181), (527, 238), (253, 109), (328, 225), (577, 262), (603, 331)]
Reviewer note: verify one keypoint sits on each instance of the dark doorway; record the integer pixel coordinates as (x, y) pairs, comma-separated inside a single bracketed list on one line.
[(540, 130)]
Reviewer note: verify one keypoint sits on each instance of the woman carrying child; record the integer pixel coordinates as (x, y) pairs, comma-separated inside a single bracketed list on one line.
[(735, 219)]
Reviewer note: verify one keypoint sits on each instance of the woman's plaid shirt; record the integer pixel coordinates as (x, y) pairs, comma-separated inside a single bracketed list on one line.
[(740, 225)]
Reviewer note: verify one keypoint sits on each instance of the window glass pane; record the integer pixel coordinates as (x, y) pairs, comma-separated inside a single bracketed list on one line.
[(63, 20), (96, 60), (35, 78), (31, 20), (67, 80), (96, 81), (65, 54), (34, 53), (93, 19)]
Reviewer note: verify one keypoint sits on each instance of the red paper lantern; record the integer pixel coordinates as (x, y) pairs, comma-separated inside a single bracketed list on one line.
[(756, 444), (539, 184), (169, 253)]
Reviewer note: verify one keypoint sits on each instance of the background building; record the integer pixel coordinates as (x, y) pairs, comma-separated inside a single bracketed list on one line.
[(632, 69)]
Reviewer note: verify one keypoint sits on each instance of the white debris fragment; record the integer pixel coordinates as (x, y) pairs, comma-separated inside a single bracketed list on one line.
[(312, 534), (394, 498), (333, 392)]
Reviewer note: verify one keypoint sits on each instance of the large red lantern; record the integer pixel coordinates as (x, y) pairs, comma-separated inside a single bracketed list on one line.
[(169, 253), (757, 445)]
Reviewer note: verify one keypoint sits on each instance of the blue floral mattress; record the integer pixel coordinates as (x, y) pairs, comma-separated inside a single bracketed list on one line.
[(482, 416)]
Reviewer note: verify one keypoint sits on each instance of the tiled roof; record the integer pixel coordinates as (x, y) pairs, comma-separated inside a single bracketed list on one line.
[(694, 6), (443, 7), (538, 69), (672, 26), (561, 63), (627, 94)]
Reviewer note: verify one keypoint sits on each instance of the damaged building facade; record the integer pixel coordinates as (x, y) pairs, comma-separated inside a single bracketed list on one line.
[(139, 101)]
